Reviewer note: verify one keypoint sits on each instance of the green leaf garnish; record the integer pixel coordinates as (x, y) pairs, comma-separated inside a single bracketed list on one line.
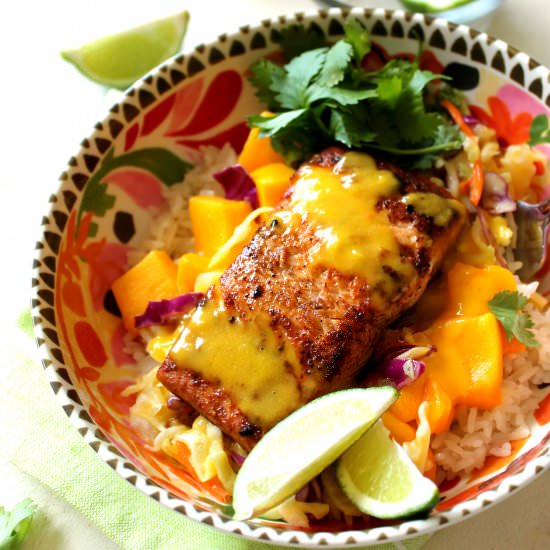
[(324, 96), (292, 89), (358, 37), (296, 40), (336, 61), (539, 131), (508, 308), (264, 78), (14, 524)]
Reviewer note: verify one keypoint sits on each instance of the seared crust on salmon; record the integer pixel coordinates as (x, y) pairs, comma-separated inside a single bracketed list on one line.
[(331, 319), (208, 396)]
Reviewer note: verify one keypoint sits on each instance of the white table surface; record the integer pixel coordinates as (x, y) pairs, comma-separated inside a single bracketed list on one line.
[(47, 108)]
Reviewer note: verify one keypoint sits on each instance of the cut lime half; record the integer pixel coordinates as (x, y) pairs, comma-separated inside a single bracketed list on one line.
[(433, 5), (302, 445), (381, 480), (120, 59)]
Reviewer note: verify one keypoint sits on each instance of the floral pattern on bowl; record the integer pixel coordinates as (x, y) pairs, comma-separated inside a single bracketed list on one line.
[(116, 185)]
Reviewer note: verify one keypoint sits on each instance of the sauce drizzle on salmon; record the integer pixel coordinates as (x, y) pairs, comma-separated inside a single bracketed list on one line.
[(352, 245)]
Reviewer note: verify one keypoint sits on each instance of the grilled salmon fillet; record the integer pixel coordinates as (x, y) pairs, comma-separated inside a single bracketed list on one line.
[(352, 245)]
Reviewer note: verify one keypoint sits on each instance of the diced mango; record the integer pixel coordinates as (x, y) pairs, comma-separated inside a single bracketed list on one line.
[(409, 400), (468, 361), (467, 367), (242, 235), (401, 431), (439, 408), (213, 220), (153, 278), (258, 151), (471, 288), (272, 180), (189, 267)]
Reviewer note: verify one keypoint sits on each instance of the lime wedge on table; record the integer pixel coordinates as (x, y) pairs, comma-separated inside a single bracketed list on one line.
[(120, 59), (302, 445), (433, 5), (381, 480)]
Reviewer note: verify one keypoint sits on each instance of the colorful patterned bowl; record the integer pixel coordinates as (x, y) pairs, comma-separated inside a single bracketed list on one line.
[(111, 189)]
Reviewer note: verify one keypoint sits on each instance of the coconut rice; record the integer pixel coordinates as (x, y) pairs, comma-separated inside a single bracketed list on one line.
[(475, 434)]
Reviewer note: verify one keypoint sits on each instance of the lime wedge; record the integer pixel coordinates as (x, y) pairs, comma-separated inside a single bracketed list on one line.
[(381, 480), (303, 444), (433, 5), (120, 59)]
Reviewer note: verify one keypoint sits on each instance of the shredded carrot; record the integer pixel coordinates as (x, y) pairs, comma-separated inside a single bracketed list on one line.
[(474, 185), (456, 115)]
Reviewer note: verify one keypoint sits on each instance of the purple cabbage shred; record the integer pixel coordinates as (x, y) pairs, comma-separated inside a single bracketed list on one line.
[(160, 312), (237, 184)]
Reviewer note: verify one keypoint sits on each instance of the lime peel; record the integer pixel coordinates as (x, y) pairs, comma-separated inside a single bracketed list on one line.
[(303, 444), (118, 60), (377, 475)]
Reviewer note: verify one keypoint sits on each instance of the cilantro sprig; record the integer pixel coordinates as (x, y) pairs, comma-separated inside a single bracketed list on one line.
[(508, 307), (323, 96), (14, 524)]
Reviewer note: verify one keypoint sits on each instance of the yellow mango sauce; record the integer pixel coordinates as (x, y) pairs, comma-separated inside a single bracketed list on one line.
[(355, 237), (439, 208), (261, 373), (245, 358)]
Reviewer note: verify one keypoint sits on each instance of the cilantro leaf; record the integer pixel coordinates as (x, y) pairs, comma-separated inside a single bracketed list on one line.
[(420, 79), (296, 40), (264, 75), (294, 134), (340, 96), (273, 124), (300, 139), (336, 62), (15, 524), (358, 37), (291, 90), (507, 307), (415, 125), (349, 129), (323, 96), (540, 130), (448, 137), (389, 90)]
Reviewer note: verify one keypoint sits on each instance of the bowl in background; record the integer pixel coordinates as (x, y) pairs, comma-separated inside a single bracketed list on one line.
[(475, 13), (119, 180)]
